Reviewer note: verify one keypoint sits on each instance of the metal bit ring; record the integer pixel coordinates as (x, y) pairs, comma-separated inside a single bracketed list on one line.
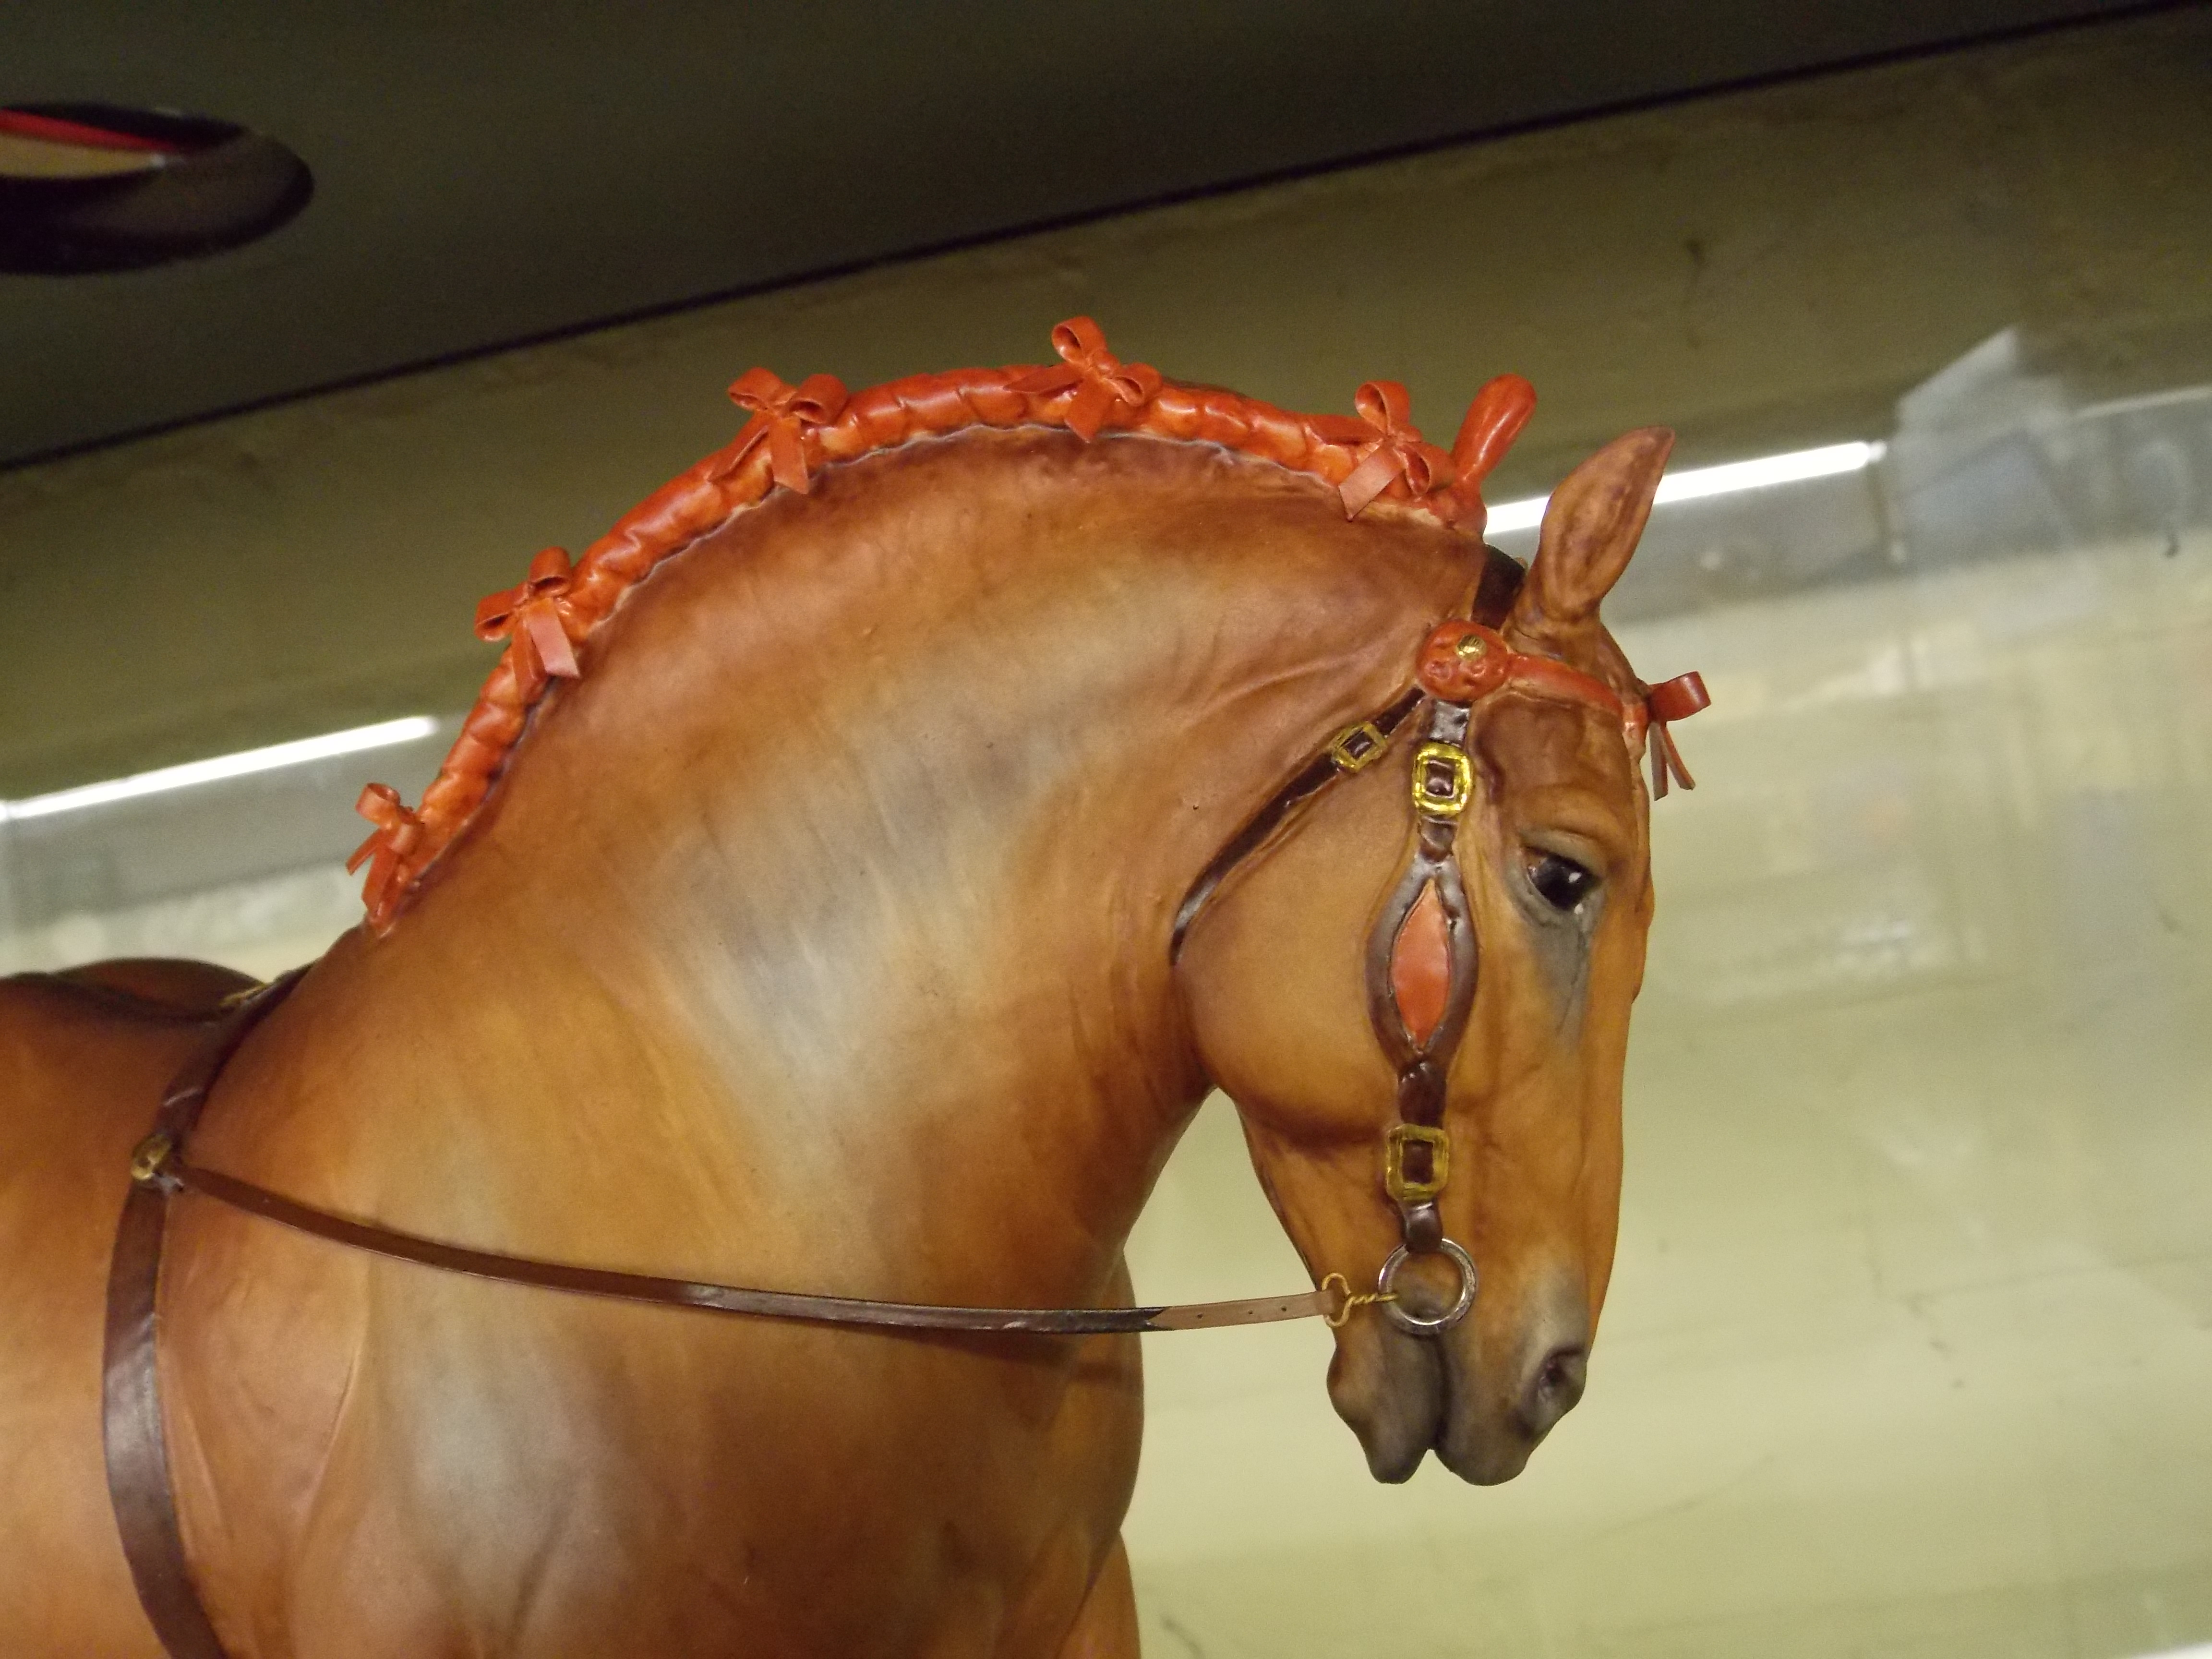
[(1414, 1324)]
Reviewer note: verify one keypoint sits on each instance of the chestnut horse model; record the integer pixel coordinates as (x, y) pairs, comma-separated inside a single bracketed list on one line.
[(860, 864)]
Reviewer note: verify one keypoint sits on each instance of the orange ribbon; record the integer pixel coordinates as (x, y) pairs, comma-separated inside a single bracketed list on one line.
[(1673, 700), (1392, 448), (782, 415), (537, 615), (1103, 380), (1493, 421), (399, 832)]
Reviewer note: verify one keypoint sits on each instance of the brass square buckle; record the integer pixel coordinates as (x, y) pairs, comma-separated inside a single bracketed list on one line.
[(1358, 746), (1443, 780), (1411, 1189)]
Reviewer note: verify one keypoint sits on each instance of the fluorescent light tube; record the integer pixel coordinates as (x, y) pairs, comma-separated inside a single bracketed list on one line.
[(1758, 474), (246, 762)]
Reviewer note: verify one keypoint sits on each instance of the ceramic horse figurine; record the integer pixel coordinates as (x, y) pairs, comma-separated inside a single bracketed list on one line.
[(830, 893)]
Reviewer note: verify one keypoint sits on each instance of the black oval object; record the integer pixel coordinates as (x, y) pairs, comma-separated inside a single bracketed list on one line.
[(180, 186)]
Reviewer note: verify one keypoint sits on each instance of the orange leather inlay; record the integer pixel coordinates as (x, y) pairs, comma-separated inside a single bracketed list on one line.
[(1420, 966)]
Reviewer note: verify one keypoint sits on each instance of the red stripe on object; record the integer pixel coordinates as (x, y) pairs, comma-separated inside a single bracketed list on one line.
[(26, 126)]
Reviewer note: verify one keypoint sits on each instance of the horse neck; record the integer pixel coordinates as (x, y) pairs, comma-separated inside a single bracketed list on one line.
[(844, 879)]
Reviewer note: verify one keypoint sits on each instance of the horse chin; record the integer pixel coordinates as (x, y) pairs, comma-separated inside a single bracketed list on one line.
[(1402, 1397), (1486, 1459)]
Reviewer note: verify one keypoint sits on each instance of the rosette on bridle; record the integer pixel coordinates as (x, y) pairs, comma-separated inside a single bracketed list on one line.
[(1101, 378), (1391, 449), (781, 414), (537, 616), (399, 832)]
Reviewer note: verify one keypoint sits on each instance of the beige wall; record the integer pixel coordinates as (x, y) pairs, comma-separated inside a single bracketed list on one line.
[(1759, 270)]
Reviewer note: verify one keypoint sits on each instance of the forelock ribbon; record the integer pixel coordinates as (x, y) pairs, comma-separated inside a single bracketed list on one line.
[(781, 414), (1103, 378), (1392, 448), (399, 832), (537, 615)]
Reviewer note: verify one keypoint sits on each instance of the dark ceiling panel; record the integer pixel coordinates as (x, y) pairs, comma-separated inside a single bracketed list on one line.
[(488, 174)]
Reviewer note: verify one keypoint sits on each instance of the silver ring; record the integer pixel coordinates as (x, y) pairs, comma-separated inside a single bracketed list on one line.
[(1412, 1324)]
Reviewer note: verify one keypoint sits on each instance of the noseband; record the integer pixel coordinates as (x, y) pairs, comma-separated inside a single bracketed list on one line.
[(1424, 956)]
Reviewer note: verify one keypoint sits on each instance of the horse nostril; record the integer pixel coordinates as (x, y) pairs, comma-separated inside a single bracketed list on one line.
[(1556, 1387)]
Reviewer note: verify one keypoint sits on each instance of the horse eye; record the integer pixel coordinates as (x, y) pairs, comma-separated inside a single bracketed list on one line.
[(1563, 882)]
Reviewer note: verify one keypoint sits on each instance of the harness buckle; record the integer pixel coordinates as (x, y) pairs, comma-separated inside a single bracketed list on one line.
[(1357, 747), (1443, 780), (150, 1159), (1416, 1162)]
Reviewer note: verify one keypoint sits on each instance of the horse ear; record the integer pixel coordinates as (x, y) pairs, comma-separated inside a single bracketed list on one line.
[(1590, 528)]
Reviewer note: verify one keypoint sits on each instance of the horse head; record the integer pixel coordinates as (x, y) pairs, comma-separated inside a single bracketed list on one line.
[(1321, 980)]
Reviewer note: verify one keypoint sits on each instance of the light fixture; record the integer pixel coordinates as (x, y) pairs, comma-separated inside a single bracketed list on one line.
[(1795, 467), (299, 752), (95, 187)]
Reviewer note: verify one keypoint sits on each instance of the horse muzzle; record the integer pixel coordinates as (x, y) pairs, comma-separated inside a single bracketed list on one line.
[(1481, 1394)]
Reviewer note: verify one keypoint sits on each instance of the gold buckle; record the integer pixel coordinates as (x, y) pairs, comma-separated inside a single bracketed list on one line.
[(1443, 780), (1402, 1188), (150, 1156), (1358, 746)]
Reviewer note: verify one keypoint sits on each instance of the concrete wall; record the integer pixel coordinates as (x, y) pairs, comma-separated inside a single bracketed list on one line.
[(1761, 270)]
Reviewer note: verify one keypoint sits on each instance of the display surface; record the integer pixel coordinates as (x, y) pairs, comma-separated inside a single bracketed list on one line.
[(848, 919)]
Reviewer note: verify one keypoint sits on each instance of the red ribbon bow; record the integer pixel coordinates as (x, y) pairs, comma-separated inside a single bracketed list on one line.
[(537, 615), (399, 832), (782, 413), (1673, 700), (1103, 380), (1393, 448)]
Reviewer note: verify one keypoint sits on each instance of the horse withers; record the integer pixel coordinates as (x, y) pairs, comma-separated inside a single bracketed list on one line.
[(860, 864)]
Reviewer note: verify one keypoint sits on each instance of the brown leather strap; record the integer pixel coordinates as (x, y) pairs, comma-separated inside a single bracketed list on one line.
[(136, 1443), (710, 1298), (1352, 749), (1416, 1165)]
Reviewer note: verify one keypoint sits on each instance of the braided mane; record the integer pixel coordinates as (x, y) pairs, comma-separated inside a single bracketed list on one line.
[(796, 429)]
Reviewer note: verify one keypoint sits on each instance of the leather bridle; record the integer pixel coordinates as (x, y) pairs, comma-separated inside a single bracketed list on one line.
[(1422, 966), (1423, 955)]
